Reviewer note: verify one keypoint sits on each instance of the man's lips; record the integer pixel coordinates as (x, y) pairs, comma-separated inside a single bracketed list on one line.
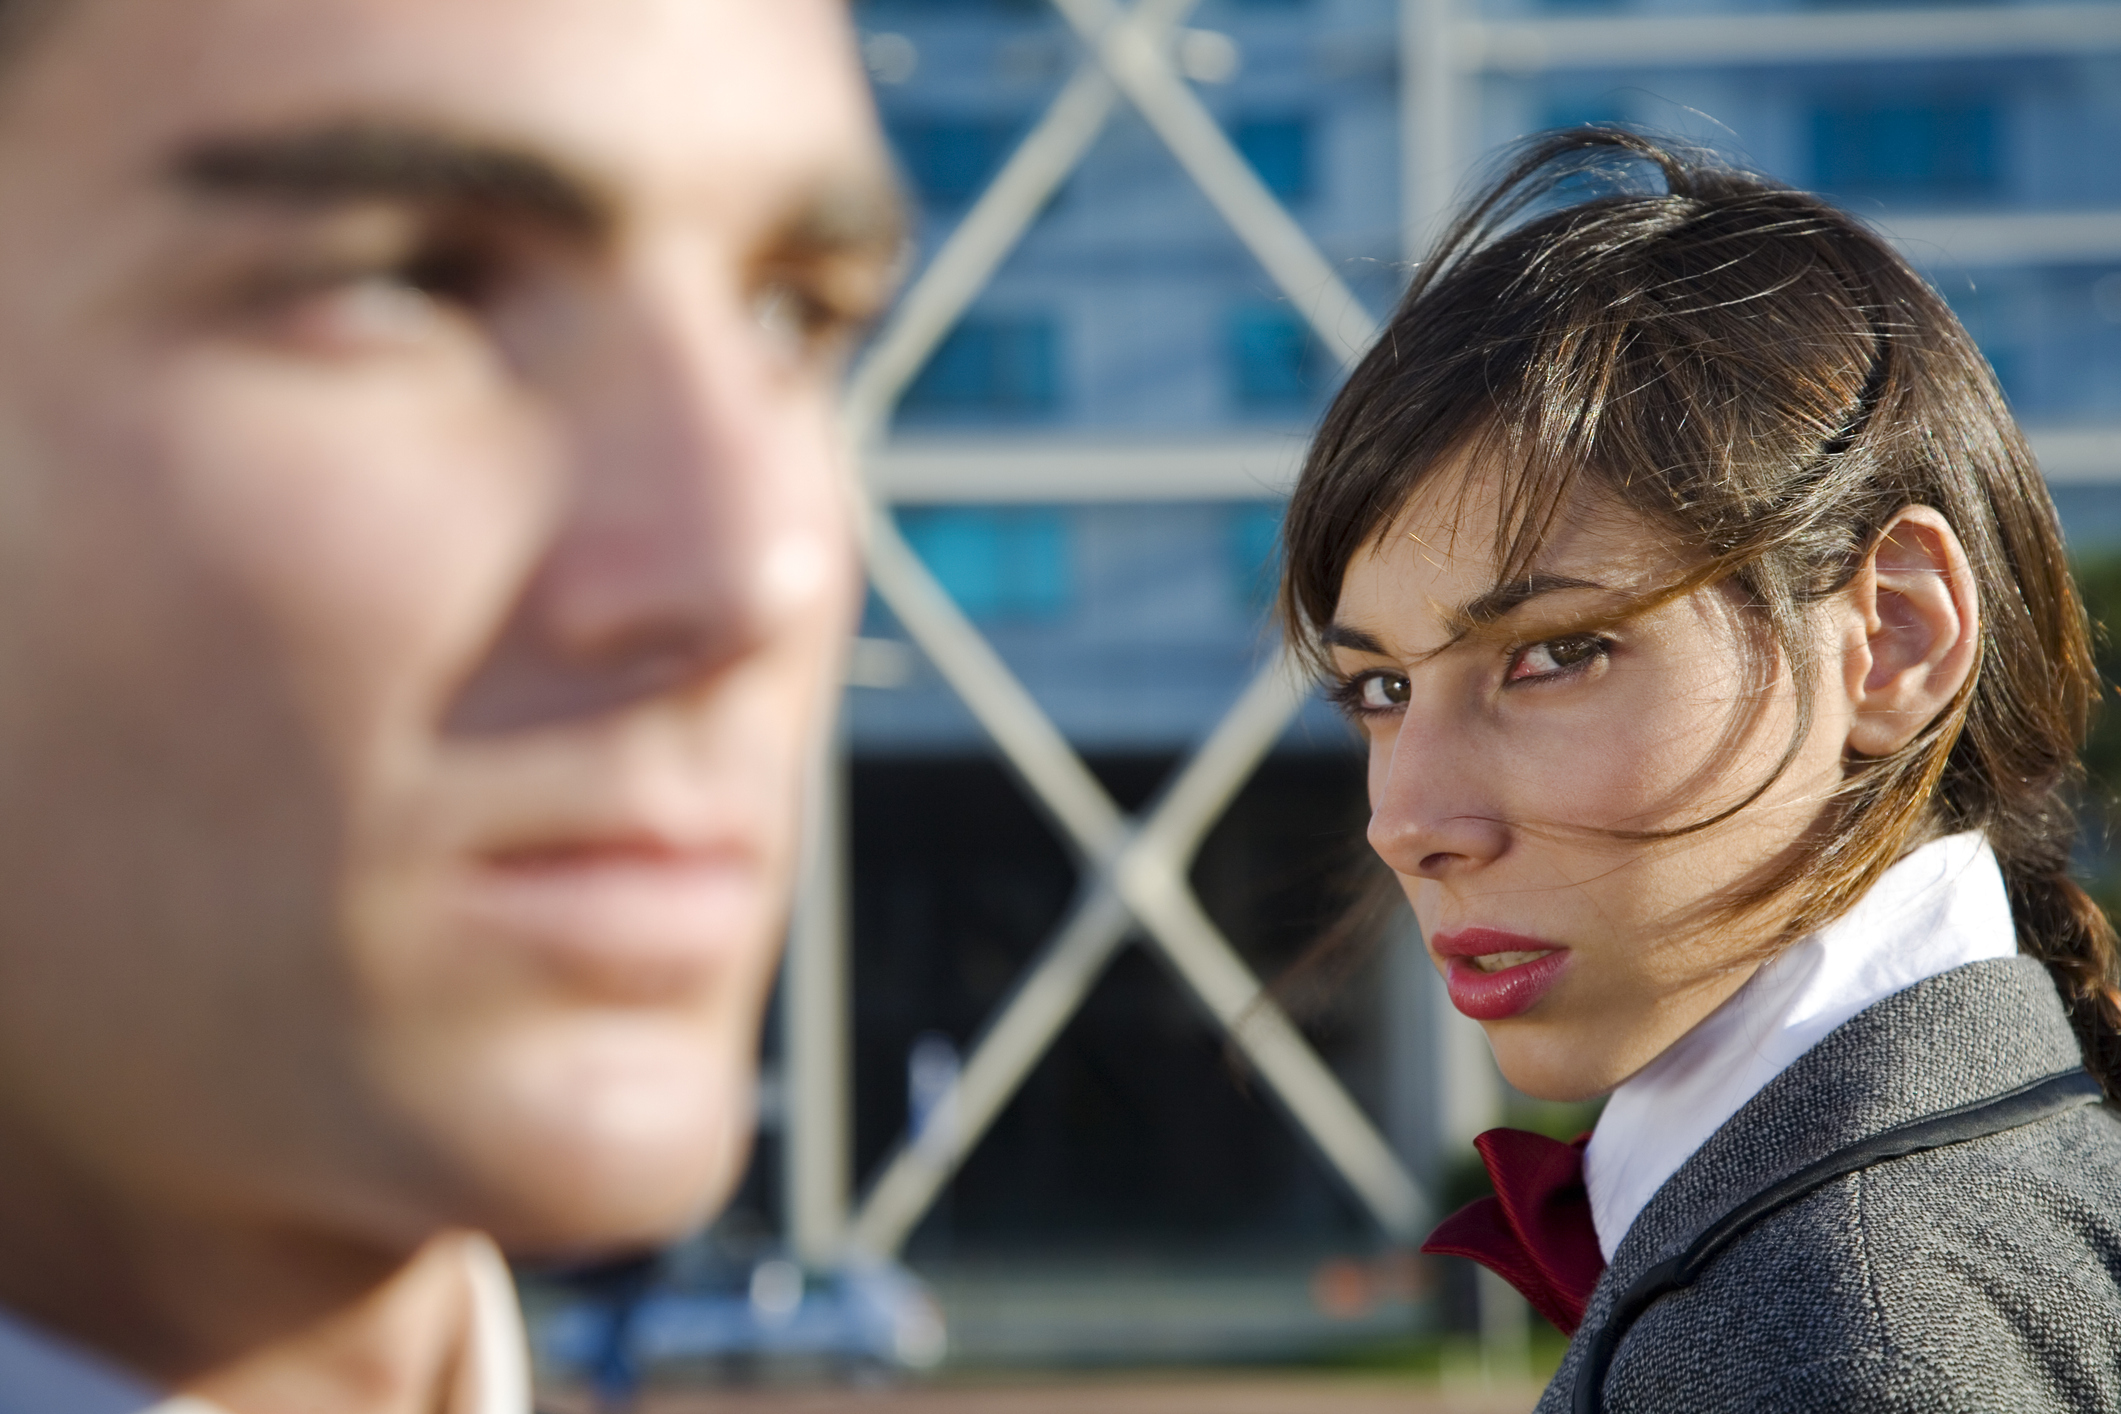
[(1492, 974), (622, 918)]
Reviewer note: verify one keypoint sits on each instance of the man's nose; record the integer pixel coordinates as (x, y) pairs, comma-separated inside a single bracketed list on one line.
[(693, 527), (1434, 811), (661, 546)]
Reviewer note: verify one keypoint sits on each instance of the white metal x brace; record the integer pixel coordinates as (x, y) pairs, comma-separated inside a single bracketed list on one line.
[(1136, 868)]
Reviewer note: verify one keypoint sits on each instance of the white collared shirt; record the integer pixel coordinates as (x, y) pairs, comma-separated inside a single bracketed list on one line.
[(1941, 907), (41, 1373)]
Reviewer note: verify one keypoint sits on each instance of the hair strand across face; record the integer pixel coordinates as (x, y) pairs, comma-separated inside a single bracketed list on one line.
[(1763, 376)]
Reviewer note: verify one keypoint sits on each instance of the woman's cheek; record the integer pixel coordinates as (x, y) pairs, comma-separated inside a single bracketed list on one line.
[(1597, 769), (1379, 771)]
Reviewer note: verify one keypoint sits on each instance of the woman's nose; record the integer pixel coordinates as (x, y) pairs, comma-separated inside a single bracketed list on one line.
[(1433, 810)]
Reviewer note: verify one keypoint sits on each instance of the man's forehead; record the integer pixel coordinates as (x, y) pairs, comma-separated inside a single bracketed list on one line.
[(838, 209), (721, 101)]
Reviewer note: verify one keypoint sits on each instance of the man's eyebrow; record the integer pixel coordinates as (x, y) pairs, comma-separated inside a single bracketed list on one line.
[(853, 214), (355, 162)]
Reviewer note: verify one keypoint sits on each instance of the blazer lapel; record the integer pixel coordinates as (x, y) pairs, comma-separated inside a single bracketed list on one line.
[(1954, 1039)]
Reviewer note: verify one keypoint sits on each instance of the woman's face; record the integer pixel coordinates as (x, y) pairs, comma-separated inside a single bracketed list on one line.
[(1502, 765)]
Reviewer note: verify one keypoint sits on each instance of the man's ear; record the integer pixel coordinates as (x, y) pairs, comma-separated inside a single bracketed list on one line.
[(1920, 631)]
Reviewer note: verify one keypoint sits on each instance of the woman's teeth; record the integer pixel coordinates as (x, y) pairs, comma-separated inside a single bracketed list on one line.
[(1497, 961)]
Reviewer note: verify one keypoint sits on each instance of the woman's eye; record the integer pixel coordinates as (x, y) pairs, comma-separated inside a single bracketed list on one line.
[(1381, 692), (1557, 657)]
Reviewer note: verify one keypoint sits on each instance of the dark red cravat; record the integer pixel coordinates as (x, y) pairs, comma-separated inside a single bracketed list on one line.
[(1536, 1232)]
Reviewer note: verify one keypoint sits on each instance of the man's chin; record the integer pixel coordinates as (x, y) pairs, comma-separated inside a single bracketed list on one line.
[(580, 1144)]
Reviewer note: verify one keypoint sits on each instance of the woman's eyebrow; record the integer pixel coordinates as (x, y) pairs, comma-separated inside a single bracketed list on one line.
[(1497, 603), (1339, 635), (1505, 599)]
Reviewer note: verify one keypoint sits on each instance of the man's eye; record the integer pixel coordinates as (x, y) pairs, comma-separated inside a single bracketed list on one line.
[(373, 302), (360, 314), (1558, 657), (801, 326)]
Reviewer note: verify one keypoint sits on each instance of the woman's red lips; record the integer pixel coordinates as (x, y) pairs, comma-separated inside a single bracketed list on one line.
[(1505, 991)]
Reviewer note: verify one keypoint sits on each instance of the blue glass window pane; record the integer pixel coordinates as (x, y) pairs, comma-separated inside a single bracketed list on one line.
[(1279, 149), (1275, 361), (959, 7), (1255, 550), (950, 161), (1936, 149), (1012, 562), (1002, 367), (1582, 110)]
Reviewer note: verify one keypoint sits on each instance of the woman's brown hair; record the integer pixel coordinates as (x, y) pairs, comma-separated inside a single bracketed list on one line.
[(1756, 370)]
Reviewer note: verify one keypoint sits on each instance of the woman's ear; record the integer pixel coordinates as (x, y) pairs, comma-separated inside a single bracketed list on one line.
[(1919, 636)]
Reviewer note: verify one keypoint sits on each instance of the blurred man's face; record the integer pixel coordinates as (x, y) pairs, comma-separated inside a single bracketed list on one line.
[(422, 567)]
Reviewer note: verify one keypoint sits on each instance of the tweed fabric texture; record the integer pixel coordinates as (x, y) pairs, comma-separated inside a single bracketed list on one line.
[(1983, 1276)]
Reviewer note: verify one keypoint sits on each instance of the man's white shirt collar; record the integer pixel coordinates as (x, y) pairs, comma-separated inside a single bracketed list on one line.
[(41, 1373), (1941, 907)]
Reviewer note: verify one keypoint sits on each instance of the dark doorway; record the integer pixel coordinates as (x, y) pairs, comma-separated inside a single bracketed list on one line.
[(1140, 1122)]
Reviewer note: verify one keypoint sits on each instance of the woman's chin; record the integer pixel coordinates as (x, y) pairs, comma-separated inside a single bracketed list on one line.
[(1548, 1062)]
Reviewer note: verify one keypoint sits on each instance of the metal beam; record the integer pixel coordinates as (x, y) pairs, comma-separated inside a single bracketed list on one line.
[(1135, 870), (1043, 1001), (1058, 781), (2078, 456), (993, 227), (1433, 93), (969, 258), (1794, 37), (1065, 470), (1062, 471), (1142, 68), (1152, 879), (1148, 875), (817, 1171), (1144, 880), (2006, 237)]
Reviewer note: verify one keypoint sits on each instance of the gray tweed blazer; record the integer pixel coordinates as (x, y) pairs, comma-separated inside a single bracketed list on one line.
[(1983, 1276)]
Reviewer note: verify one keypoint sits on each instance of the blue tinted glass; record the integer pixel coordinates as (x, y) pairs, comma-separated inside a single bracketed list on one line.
[(1012, 562), (1275, 361), (874, 11), (1581, 110), (949, 162), (2009, 367), (1279, 149), (1942, 149), (1255, 543), (995, 367)]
